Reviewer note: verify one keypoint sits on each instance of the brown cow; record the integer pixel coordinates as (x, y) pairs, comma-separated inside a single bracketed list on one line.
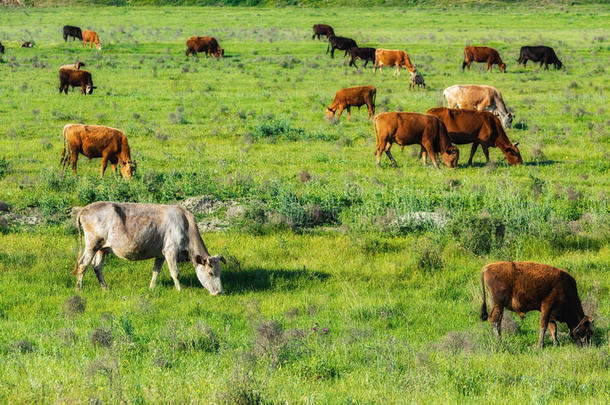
[(397, 58), (526, 286), (322, 29), (75, 78), (477, 127), (91, 38), (483, 54), (353, 97), (96, 141), (209, 45), (406, 128)]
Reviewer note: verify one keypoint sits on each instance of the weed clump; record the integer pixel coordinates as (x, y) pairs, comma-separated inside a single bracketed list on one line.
[(75, 305), (478, 234), (24, 346), (275, 129), (428, 257), (101, 337)]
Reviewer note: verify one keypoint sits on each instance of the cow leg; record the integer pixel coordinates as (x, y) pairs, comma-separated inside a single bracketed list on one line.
[(349, 113), (387, 152), (553, 332), (486, 153), (427, 144), (172, 263), (371, 110), (332, 52), (74, 159), (495, 318), (339, 112), (156, 270), (475, 145), (344, 55), (98, 262), (104, 165), (545, 315), (366, 61), (113, 165)]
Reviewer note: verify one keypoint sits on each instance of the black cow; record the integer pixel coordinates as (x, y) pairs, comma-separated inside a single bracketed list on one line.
[(72, 31), (1, 48), (543, 54), (340, 43), (27, 45), (322, 29), (366, 54)]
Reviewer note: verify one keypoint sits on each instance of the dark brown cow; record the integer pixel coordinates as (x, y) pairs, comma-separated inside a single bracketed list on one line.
[(75, 78), (322, 29), (406, 128), (366, 54), (340, 43), (477, 127), (526, 286), (483, 54), (96, 141), (353, 97), (209, 45)]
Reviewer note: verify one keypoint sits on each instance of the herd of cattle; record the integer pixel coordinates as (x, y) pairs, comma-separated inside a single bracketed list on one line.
[(474, 114)]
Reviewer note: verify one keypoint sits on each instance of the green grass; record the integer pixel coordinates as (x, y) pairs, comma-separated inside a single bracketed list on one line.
[(326, 238)]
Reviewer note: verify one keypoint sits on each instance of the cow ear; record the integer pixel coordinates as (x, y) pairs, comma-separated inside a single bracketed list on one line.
[(222, 259), (201, 260), (516, 144)]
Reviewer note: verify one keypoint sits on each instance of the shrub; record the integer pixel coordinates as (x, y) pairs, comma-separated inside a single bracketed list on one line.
[(101, 337), (75, 305), (479, 234), (274, 129), (4, 167)]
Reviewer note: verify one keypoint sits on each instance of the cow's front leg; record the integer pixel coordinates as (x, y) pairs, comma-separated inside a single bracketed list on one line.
[(98, 263), (545, 315), (158, 264), (429, 147), (349, 113), (387, 152), (172, 263)]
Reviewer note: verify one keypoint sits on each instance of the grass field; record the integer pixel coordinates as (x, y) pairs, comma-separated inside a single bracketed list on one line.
[(326, 240)]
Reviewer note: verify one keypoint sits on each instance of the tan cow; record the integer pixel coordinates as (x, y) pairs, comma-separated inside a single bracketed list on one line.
[(96, 141), (90, 37), (397, 58), (478, 97), (406, 128), (353, 97), (74, 66)]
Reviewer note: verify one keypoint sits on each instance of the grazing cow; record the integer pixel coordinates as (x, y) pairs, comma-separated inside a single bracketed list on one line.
[(390, 57), (27, 45), (416, 80), (72, 31), (406, 128), (479, 128), (1, 48), (353, 97), (95, 141), (322, 29), (366, 54), (90, 37), (526, 286), (483, 54), (209, 45), (340, 43), (75, 78), (74, 66), (543, 54), (478, 97), (144, 231)]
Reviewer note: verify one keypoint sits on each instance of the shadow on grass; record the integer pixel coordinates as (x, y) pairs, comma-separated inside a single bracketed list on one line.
[(255, 279)]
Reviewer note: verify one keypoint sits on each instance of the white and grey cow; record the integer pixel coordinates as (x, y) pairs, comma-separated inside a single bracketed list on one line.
[(144, 231), (478, 97)]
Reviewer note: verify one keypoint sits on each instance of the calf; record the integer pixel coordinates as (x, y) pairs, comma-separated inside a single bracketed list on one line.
[(340, 43), (140, 232), (526, 286), (416, 80), (406, 128), (90, 37), (393, 57), (366, 54), (353, 97), (74, 66), (27, 45), (95, 141), (483, 54), (543, 54), (75, 78), (209, 45), (72, 31), (322, 29), (477, 127)]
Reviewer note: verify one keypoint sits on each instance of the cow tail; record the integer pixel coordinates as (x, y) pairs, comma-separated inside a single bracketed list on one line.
[(64, 158), (80, 243), (484, 314)]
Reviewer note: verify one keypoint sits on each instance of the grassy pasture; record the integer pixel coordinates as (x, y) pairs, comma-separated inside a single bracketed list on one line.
[(327, 239)]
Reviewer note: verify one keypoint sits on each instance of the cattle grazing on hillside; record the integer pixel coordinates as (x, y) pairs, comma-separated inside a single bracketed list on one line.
[(75, 78), (74, 66), (366, 54), (483, 54), (97, 141), (353, 97), (144, 231), (90, 37), (1, 48), (478, 97), (479, 128), (406, 128), (390, 57), (27, 45), (416, 80), (322, 29), (526, 286), (340, 43), (72, 31), (209, 45), (543, 54)]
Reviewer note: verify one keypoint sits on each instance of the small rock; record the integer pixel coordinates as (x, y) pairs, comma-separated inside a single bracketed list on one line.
[(5, 207), (236, 212), (202, 204), (212, 225)]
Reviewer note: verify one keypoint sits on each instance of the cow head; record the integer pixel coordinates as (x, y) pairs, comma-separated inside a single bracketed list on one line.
[(450, 156), (79, 64), (513, 155), (558, 64), (502, 67), (220, 53), (208, 271), (507, 120), (128, 169), (98, 46), (582, 333), (89, 88), (330, 113)]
